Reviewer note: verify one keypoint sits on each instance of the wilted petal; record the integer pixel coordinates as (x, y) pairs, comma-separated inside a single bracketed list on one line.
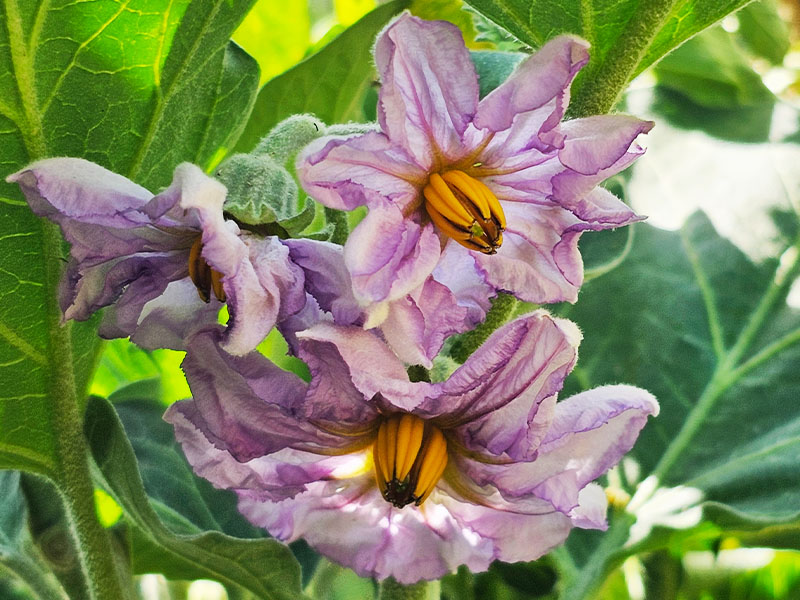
[(418, 324), (515, 536), (388, 255), (274, 477), (492, 402), (247, 404), (429, 90), (589, 434), (167, 320), (540, 81), (350, 523), (74, 188), (326, 278), (365, 360), (344, 173)]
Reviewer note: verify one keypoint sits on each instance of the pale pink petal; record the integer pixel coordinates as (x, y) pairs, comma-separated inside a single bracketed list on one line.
[(429, 89)]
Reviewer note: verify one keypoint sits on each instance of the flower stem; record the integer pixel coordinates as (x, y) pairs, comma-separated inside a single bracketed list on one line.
[(424, 590), (339, 221), (502, 308), (73, 477), (603, 83)]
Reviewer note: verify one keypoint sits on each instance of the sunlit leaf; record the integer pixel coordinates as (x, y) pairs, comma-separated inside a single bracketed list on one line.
[(764, 31), (276, 33), (137, 87)]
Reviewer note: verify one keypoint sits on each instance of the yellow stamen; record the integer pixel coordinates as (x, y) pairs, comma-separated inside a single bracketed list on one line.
[(205, 278), (465, 210), (417, 453)]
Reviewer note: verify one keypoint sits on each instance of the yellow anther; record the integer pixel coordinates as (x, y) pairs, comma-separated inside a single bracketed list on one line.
[(465, 210), (410, 456), (205, 278)]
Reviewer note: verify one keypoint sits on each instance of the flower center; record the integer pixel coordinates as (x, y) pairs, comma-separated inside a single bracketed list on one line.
[(466, 210), (203, 276), (410, 456)]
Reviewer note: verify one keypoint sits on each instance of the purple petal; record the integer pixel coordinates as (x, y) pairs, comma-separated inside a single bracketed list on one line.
[(167, 320), (246, 405), (429, 90), (275, 477), (363, 359), (595, 148), (516, 536), (326, 278), (389, 255), (344, 173), (349, 522), (539, 260), (540, 82), (589, 434), (591, 510), (418, 324), (499, 402), (73, 188), (457, 271)]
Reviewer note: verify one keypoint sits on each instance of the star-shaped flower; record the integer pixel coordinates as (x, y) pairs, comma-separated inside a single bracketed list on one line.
[(402, 479), (500, 183)]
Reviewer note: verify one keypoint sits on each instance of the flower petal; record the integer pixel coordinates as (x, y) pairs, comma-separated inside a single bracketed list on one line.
[(493, 400), (457, 271), (429, 89), (589, 434), (349, 522), (539, 82), (388, 255), (363, 359), (418, 324), (539, 260), (247, 404), (345, 173), (275, 477), (595, 148), (74, 188)]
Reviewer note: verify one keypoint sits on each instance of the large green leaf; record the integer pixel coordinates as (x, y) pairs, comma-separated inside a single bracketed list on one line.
[(329, 84), (689, 317), (137, 87), (263, 566), (626, 35)]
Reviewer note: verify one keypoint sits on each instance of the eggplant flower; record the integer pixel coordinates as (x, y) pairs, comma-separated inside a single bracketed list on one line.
[(502, 182), (402, 479), (161, 264)]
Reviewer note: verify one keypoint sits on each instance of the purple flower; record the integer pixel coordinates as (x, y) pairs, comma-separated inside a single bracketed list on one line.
[(161, 264), (402, 479), (500, 182)]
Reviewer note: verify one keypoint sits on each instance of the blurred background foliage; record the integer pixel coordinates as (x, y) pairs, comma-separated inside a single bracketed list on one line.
[(726, 104)]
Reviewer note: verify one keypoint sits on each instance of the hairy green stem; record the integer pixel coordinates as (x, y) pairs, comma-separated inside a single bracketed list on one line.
[(602, 85), (424, 590), (42, 585), (73, 477), (502, 308)]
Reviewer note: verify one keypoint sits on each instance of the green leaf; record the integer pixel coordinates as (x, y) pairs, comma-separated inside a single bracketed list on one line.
[(192, 553), (711, 71), (329, 84), (763, 30), (493, 68), (18, 555), (137, 87), (709, 333), (626, 36)]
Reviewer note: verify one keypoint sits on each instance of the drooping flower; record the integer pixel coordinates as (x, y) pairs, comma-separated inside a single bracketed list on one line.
[(161, 264), (500, 182), (402, 479)]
